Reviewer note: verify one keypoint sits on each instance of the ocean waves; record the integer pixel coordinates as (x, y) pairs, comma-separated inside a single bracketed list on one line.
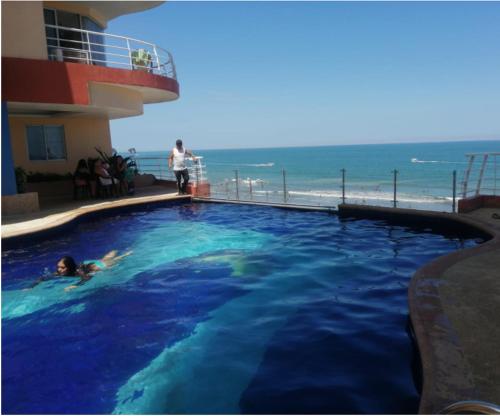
[(415, 160), (253, 165), (329, 197), (372, 195)]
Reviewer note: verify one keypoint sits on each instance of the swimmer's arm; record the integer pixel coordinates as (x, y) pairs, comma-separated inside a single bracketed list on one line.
[(38, 281), (83, 279)]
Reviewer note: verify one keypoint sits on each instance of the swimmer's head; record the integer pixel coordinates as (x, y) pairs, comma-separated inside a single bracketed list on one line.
[(66, 266)]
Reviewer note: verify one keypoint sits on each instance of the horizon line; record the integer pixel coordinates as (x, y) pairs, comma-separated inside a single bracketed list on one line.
[(325, 145)]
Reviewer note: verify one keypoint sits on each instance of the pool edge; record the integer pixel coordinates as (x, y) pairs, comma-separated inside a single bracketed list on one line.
[(54, 222)]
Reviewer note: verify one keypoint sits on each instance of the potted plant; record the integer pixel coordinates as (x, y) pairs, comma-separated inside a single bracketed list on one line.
[(21, 179)]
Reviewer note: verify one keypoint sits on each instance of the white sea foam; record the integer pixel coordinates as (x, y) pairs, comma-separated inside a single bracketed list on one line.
[(361, 196), (372, 196), (255, 165), (247, 181), (415, 160), (262, 165)]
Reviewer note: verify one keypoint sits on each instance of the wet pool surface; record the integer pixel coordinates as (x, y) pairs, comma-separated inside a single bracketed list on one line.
[(219, 309)]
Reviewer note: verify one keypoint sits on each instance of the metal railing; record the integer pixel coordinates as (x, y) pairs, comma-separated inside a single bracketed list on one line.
[(471, 407), (284, 188), (482, 175), (98, 48), (159, 168)]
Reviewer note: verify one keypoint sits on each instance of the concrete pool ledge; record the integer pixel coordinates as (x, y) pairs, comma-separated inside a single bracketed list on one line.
[(55, 220), (454, 304), (288, 206)]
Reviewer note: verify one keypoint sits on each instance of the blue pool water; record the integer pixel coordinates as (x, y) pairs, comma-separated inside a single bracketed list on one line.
[(220, 309)]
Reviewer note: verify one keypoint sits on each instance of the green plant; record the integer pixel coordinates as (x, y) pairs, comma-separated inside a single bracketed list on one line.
[(21, 179), (111, 160)]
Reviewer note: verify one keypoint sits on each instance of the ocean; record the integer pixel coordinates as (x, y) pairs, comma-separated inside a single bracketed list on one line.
[(313, 174)]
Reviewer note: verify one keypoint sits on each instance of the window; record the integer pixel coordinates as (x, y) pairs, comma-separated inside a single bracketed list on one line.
[(75, 45), (96, 42), (69, 38), (50, 32), (46, 142)]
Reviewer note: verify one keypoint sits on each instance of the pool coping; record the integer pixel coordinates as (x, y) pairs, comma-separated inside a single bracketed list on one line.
[(295, 207), (53, 222), (441, 355)]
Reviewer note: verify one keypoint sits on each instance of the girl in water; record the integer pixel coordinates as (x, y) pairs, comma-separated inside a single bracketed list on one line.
[(67, 267)]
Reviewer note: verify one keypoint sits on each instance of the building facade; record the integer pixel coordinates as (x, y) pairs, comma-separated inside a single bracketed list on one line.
[(64, 78)]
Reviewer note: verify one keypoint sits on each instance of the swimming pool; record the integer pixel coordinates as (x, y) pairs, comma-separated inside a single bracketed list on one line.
[(220, 309)]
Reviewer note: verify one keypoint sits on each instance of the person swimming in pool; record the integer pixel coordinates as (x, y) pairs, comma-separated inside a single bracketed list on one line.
[(67, 267)]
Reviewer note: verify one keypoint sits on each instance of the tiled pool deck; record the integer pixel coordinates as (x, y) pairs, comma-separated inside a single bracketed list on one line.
[(454, 300)]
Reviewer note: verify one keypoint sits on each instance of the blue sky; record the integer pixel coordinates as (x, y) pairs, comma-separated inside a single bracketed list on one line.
[(272, 74)]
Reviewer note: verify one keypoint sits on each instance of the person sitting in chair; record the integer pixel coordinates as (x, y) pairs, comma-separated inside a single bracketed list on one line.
[(81, 177), (103, 176), (120, 170)]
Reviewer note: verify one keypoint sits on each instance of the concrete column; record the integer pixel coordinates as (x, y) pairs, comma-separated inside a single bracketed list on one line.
[(8, 176)]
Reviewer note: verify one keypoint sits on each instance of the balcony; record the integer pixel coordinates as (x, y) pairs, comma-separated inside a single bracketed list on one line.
[(89, 72), (67, 44)]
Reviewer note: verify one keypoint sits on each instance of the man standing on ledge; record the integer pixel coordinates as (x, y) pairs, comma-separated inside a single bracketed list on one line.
[(177, 158)]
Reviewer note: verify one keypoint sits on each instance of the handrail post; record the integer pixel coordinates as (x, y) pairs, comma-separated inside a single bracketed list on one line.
[(197, 168), (495, 177), (284, 186), (172, 63), (343, 185), (129, 54), (250, 188), (481, 174), (237, 185), (395, 187), (467, 175), (90, 49), (454, 191), (157, 59)]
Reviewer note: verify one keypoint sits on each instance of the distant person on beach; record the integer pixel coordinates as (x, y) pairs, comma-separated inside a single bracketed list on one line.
[(177, 159), (67, 267)]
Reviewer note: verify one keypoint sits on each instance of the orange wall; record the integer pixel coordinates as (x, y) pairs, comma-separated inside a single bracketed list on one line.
[(82, 136)]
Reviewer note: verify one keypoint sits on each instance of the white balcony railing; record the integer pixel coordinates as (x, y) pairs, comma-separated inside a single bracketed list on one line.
[(482, 175), (103, 49), (159, 168)]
